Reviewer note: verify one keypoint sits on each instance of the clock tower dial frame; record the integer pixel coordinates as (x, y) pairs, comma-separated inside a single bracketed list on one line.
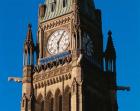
[(52, 26), (58, 42), (87, 44)]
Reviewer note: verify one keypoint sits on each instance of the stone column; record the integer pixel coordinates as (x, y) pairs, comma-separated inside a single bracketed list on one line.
[(76, 93)]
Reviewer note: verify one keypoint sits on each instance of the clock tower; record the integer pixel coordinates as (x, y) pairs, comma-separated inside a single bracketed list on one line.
[(72, 72)]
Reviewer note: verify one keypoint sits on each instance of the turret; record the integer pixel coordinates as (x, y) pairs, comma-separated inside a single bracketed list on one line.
[(110, 68), (110, 55), (28, 61), (28, 48)]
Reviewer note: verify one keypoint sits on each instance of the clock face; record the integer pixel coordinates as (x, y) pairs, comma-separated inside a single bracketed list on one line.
[(58, 42), (88, 45)]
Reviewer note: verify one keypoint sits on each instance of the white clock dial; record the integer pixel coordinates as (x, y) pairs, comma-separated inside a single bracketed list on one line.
[(87, 45), (58, 42)]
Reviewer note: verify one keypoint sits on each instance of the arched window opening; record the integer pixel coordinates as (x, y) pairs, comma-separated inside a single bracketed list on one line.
[(23, 104), (112, 65), (53, 5), (104, 64), (26, 105), (60, 103), (109, 65), (42, 106), (49, 102), (40, 103), (74, 41), (65, 3), (69, 101), (51, 105), (58, 100)]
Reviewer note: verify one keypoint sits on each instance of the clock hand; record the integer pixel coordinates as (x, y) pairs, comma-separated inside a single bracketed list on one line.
[(58, 43), (86, 46), (87, 43)]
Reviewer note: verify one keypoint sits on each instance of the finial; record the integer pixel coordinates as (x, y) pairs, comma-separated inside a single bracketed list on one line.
[(109, 33), (29, 33), (29, 26)]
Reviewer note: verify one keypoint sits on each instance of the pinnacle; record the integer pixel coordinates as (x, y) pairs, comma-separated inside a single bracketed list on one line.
[(110, 50), (109, 33), (29, 33), (29, 26)]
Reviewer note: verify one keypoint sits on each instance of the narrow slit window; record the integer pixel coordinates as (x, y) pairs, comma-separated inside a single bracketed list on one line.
[(60, 103), (42, 106), (50, 107), (23, 103), (51, 104), (53, 5), (69, 101), (65, 3)]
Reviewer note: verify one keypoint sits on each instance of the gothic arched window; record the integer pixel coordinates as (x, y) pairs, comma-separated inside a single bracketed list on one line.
[(58, 100), (42, 106), (49, 102), (65, 2), (40, 102), (67, 99), (60, 103), (51, 105)]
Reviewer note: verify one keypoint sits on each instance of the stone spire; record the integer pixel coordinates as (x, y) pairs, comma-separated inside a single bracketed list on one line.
[(29, 37), (28, 48), (110, 52)]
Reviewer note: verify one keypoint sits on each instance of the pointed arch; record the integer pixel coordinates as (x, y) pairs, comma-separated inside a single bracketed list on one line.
[(57, 91), (67, 99), (24, 101), (58, 100), (40, 102), (49, 94), (67, 89), (49, 102), (39, 98)]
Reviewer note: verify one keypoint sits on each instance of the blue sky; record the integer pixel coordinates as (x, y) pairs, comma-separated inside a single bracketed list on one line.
[(121, 16)]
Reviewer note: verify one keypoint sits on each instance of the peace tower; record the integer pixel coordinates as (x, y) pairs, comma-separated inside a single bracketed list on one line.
[(72, 71)]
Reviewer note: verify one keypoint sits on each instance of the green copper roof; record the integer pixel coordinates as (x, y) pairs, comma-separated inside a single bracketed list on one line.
[(87, 8), (59, 9)]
